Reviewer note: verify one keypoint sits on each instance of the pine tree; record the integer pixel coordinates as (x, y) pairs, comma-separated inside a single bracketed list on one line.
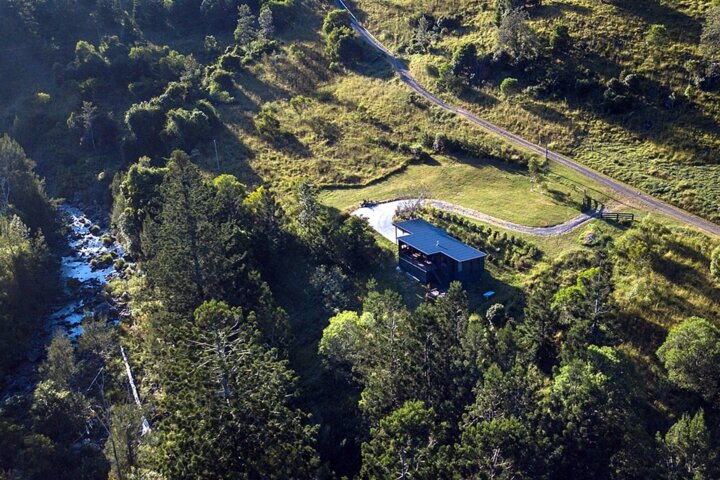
[(245, 31), (185, 262), (267, 27), (227, 413), (688, 449), (405, 445)]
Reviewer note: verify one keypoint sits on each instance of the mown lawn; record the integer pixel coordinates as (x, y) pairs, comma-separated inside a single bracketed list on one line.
[(489, 186)]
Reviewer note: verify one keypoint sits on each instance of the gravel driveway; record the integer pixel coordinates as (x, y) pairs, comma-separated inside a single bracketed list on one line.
[(380, 218)]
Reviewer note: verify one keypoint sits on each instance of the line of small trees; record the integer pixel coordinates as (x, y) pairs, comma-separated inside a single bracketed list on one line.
[(503, 249)]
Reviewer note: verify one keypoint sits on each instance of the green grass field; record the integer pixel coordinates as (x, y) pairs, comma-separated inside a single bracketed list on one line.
[(490, 187)]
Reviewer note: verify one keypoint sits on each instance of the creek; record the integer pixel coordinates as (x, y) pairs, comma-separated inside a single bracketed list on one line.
[(87, 264)]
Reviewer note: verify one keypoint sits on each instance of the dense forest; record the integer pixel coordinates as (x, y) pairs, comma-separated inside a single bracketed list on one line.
[(253, 327)]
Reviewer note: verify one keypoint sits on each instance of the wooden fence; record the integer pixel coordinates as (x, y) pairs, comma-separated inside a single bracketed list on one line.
[(619, 217)]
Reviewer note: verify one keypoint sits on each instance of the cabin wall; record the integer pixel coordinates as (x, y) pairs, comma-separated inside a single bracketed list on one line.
[(471, 271)]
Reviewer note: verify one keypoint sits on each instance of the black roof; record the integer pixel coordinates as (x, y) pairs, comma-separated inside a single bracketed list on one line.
[(430, 240)]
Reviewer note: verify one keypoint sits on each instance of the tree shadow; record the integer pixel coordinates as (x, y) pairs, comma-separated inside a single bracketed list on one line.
[(252, 86), (510, 296), (302, 70), (477, 97), (546, 113), (655, 113), (233, 157), (372, 64), (678, 273), (659, 117), (388, 6), (658, 12)]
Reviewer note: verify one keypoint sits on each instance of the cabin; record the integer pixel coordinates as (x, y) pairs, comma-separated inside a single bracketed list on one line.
[(432, 256)]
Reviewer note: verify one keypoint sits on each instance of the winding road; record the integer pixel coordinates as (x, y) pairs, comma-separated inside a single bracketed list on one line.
[(380, 217), (623, 189)]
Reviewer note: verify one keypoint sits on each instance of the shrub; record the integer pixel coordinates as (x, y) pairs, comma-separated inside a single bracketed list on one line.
[(509, 87), (616, 98), (691, 355), (342, 45), (341, 42), (42, 98), (187, 128), (283, 12), (715, 264), (560, 38), (145, 122), (267, 124), (222, 78), (336, 19), (657, 36)]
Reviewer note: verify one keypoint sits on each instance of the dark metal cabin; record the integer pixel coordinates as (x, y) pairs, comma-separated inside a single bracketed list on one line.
[(432, 256)]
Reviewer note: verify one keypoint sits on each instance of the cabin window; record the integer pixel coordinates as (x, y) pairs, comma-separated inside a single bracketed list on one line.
[(459, 266)]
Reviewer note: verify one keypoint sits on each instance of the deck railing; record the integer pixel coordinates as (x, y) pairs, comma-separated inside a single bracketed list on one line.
[(415, 263)]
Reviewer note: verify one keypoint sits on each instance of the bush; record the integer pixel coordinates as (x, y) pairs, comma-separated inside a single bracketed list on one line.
[(341, 42), (186, 129), (691, 355), (267, 124), (616, 97), (342, 45), (174, 96), (145, 122), (336, 19), (715, 264), (222, 78), (283, 12), (560, 38), (509, 87)]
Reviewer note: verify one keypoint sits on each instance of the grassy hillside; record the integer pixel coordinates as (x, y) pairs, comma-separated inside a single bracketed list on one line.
[(666, 142)]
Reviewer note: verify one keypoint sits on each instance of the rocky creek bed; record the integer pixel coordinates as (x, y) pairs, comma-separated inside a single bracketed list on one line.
[(91, 258)]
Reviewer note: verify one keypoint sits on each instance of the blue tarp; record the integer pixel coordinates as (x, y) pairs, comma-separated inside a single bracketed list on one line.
[(430, 240)]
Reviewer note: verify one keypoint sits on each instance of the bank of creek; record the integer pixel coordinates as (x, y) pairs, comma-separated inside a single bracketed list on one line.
[(88, 262)]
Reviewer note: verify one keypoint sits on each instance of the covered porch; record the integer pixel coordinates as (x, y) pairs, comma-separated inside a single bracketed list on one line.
[(415, 262)]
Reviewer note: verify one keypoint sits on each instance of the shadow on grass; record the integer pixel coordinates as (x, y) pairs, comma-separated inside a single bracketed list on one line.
[(510, 296), (372, 64), (657, 12), (263, 91), (233, 157)]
